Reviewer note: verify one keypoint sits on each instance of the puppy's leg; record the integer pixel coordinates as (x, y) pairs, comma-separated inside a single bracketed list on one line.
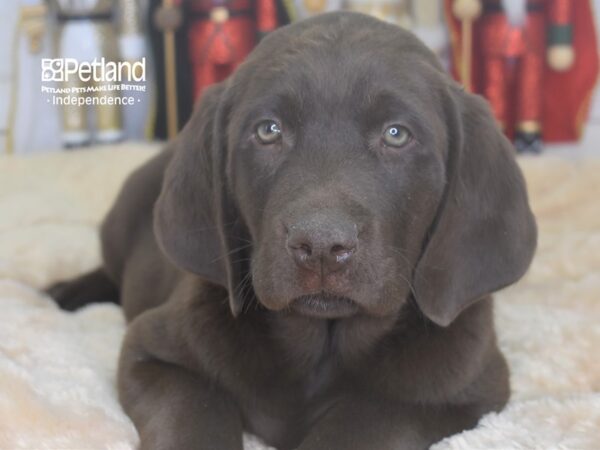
[(361, 423), (172, 407), (92, 287)]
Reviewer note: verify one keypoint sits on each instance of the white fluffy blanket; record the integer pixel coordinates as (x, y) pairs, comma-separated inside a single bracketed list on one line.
[(57, 370)]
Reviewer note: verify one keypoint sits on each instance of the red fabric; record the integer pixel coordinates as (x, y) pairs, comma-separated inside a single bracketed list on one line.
[(560, 12), (497, 37), (566, 111), (266, 15), (216, 49), (529, 94), (527, 85), (231, 5)]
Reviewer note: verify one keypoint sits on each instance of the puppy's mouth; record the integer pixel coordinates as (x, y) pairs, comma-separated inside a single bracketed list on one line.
[(324, 306)]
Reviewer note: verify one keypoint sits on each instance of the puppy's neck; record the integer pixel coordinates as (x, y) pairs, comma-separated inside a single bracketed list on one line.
[(314, 343)]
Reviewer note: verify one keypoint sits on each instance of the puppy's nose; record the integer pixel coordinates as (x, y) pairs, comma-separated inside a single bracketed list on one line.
[(322, 245)]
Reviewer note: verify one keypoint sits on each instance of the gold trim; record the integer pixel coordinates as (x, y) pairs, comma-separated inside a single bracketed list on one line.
[(219, 14), (31, 20), (529, 126)]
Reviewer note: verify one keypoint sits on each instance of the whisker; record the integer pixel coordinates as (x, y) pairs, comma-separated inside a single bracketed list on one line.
[(235, 250)]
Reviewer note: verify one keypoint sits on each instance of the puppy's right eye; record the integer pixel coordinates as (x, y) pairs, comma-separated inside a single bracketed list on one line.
[(268, 132), (397, 136)]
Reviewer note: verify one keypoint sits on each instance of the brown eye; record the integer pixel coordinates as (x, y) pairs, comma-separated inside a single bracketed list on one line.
[(268, 132), (396, 136)]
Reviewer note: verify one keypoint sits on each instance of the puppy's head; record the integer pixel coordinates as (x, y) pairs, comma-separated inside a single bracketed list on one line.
[(340, 171)]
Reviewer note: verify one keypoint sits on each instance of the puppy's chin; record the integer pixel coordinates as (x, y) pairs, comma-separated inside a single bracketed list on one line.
[(324, 306)]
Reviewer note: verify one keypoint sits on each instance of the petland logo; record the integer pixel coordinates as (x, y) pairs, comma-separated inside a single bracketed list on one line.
[(98, 71), (99, 82)]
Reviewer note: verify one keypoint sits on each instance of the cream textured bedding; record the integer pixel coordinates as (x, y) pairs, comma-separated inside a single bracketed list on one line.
[(57, 370)]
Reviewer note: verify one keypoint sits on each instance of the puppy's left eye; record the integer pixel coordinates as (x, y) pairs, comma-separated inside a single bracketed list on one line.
[(397, 136), (268, 132)]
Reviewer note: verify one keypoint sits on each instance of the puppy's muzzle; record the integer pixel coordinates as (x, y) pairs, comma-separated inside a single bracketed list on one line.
[(324, 306)]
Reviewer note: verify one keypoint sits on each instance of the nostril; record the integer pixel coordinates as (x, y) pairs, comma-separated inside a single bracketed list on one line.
[(342, 253), (305, 248), (338, 249), (301, 252)]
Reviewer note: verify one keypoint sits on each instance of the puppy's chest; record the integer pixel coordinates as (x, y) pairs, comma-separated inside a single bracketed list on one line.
[(284, 417), (306, 378)]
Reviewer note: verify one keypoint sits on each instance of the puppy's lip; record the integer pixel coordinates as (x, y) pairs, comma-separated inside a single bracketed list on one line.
[(324, 306)]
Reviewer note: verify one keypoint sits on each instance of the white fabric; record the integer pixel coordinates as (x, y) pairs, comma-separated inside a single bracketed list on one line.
[(81, 41), (57, 369), (516, 11)]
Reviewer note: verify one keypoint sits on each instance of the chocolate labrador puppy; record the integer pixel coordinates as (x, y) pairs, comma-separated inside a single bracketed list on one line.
[(311, 260)]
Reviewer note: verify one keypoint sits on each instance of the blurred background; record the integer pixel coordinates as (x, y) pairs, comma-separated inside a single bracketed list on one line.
[(536, 61)]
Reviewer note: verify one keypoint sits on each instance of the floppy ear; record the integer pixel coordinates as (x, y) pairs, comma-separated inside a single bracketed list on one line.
[(195, 222), (484, 234)]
